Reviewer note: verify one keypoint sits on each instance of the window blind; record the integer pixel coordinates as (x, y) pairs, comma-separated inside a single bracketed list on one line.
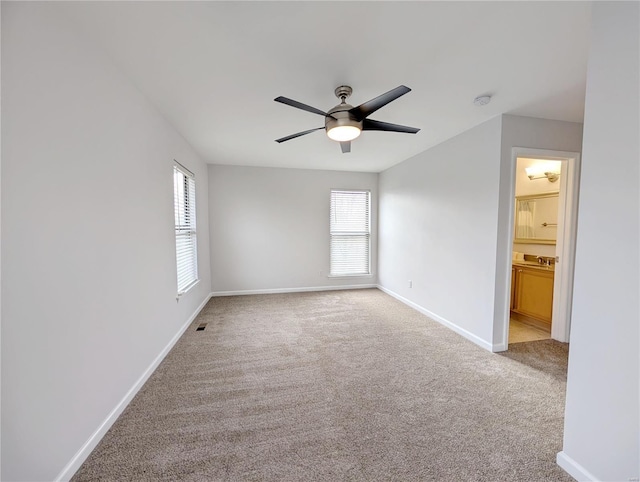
[(184, 196), (350, 233)]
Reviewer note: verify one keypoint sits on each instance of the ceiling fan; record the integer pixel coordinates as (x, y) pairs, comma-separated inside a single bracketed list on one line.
[(344, 122)]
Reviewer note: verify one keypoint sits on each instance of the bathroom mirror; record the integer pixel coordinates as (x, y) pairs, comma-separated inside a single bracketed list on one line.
[(536, 219)]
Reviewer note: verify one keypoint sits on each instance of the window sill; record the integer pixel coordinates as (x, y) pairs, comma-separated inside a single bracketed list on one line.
[(187, 289), (370, 275)]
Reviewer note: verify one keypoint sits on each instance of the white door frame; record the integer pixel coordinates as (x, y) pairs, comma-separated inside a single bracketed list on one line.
[(565, 243)]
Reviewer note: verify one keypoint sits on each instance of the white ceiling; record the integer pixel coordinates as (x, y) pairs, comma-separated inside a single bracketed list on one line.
[(214, 68)]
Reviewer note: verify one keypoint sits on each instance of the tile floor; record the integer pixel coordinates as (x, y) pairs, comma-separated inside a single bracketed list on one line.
[(520, 332)]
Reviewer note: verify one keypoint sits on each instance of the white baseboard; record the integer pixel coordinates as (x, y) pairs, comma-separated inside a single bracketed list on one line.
[(290, 290), (498, 347), (84, 452), (573, 468), (461, 331)]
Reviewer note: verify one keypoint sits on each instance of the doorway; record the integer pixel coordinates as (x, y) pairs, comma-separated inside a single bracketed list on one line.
[(541, 281)]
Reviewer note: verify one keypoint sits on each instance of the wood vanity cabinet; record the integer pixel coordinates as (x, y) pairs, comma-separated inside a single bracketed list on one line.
[(513, 288), (532, 293)]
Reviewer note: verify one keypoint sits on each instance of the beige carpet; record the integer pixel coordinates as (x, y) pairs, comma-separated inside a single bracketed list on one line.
[(336, 386)]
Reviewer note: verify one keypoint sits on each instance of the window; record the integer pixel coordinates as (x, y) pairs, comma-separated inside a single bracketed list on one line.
[(350, 233), (184, 198)]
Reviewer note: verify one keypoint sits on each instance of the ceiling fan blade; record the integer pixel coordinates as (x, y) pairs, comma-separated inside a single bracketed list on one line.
[(374, 125), (368, 108), (293, 136), (346, 146), (299, 105)]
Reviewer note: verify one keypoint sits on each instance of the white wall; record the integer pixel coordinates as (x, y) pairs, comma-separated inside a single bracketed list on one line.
[(438, 229), (269, 228), (88, 253), (601, 439), (444, 222), (0, 256)]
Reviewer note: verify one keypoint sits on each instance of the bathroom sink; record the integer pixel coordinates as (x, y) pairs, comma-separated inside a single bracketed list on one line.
[(533, 264)]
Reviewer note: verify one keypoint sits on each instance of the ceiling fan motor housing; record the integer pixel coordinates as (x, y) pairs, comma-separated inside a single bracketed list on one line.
[(340, 116), (343, 92)]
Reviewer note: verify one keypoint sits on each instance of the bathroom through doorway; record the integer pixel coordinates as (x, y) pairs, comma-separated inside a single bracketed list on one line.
[(543, 227)]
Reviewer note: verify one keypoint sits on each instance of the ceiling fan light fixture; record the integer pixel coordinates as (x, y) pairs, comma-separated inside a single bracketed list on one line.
[(345, 122), (343, 133)]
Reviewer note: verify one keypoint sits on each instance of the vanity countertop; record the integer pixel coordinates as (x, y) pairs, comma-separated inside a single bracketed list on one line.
[(534, 264)]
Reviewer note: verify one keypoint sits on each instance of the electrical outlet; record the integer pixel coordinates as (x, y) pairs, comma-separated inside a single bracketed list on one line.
[(410, 284), (320, 272)]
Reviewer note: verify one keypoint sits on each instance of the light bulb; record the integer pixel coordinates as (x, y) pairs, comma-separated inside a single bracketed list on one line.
[(532, 172), (343, 133)]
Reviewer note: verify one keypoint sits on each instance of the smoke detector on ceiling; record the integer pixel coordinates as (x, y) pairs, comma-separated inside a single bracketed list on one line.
[(482, 100)]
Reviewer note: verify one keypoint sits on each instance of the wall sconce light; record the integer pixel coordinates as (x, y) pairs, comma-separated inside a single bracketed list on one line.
[(533, 173)]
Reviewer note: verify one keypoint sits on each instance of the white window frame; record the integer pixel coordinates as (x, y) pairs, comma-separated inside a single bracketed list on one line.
[(184, 203), (336, 234)]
